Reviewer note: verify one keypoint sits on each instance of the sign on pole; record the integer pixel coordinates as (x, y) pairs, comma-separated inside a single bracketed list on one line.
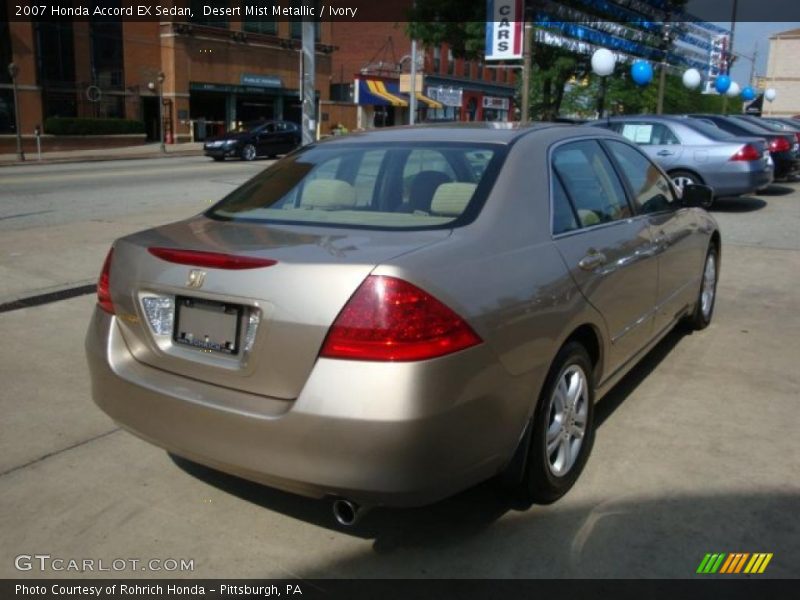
[(504, 29)]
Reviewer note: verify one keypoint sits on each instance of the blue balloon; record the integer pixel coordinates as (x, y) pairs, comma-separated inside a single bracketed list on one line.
[(642, 72), (722, 84), (748, 94)]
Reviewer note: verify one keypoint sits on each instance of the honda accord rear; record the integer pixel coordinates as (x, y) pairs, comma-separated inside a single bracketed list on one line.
[(378, 317)]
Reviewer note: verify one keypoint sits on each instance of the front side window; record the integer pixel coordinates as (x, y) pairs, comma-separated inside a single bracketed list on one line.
[(591, 183), (651, 190), (380, 185)]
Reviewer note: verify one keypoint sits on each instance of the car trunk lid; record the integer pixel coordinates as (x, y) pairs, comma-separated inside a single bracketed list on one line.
[(275, 317)]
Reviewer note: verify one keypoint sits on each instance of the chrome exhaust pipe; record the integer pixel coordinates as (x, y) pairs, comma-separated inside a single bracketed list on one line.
[(347, 513)]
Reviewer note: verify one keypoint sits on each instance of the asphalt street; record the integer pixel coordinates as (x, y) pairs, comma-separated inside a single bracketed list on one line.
[(51, 214), (696, 450)]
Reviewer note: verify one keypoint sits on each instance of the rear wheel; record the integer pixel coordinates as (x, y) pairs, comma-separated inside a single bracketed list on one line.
[(704, 307), (218, 158), (248, 152), (683, 178), (562, 427)]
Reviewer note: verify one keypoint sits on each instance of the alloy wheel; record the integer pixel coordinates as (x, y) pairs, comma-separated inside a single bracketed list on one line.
[(709, 286), (567, 418)]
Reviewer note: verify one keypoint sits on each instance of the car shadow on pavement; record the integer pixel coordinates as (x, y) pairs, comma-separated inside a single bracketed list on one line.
[(737, 205), (777, 190), (467, 512)]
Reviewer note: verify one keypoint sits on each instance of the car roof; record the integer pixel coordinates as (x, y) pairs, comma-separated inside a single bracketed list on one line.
[(474, 132)]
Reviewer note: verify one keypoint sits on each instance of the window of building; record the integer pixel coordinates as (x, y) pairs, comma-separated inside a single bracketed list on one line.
[(451, 63), (7, 123), (5, 44), (107, 53), (437, 59), (210, 21), (269, 27), (479, 71), (55, 53)]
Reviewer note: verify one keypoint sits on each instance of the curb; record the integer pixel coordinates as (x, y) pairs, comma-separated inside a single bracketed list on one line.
[(100, 158)]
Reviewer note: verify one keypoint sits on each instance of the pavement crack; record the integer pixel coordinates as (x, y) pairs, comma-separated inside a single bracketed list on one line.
[(57, 452)]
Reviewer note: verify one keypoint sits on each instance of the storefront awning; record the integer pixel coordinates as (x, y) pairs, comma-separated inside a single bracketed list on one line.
[(429, 102), (380, 93)]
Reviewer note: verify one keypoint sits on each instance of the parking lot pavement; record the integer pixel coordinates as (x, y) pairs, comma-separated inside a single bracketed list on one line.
[(696, 452)]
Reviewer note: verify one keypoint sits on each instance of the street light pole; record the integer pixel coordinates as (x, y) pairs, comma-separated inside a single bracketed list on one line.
[(13, 70), (666, 39), (526, 71), (412, 97), (161, 78)]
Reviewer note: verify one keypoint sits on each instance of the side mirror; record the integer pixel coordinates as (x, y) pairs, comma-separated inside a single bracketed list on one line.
[(695, 195)]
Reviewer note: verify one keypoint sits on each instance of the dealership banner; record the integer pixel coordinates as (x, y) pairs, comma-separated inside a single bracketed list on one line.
[(504, 29)]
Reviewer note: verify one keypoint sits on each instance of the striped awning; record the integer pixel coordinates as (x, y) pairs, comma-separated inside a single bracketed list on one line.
[(380, 93), (429, 102)]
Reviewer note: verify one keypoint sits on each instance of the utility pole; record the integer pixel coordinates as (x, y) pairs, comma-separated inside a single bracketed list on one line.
[(307, 81), (161, 132), (526, 71), (666, 40), (729, 61), (412, 97), (13, 71)]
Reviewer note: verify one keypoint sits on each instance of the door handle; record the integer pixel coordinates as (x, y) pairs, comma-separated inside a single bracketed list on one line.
[(592, 260), (665, 153)]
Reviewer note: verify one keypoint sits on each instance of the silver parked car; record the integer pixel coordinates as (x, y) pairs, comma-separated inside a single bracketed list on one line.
[(695, 151), (393, 316)]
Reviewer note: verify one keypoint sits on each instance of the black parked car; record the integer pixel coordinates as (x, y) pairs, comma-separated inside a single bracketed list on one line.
[(783, 147), (259, 138)]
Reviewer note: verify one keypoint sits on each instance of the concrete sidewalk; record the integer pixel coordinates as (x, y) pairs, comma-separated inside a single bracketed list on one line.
[(96, 154)]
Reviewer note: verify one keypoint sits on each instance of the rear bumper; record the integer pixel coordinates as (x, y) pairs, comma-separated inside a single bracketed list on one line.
[(785, 164), (388, 434), (741, 183)]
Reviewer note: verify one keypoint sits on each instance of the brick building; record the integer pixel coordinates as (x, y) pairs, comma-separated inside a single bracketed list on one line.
[(367, 68), (216, 73)]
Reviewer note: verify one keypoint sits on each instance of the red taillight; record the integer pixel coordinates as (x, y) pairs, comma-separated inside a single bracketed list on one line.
[(747, 152), (779, 144), (389, 319), (103, 291), (212, 260)]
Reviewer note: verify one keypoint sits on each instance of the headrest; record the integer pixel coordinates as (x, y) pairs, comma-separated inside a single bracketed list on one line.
[(328, 194), (451, 199)]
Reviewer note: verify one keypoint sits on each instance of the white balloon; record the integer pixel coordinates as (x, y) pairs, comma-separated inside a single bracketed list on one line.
[(734, 90), (770, 94), (692, 78), (603, 61)]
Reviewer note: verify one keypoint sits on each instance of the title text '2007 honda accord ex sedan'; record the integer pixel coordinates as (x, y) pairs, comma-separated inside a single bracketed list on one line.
[(390, 317)]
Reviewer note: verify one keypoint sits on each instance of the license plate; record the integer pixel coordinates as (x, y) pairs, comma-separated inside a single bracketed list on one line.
[(207, 325)]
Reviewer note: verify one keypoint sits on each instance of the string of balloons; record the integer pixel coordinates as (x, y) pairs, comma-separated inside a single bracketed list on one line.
[(604, 62)]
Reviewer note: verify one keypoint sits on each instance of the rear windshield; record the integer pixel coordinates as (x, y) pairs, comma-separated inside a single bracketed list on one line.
[(375, 185)]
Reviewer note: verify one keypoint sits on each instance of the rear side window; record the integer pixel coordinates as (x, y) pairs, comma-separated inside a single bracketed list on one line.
[(373, 185), (651, 190), (591, 183)]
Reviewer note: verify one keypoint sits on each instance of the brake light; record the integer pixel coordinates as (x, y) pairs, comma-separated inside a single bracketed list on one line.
[(103, 289), (779, 144), (747, 152), (389, 319), (212, 260)]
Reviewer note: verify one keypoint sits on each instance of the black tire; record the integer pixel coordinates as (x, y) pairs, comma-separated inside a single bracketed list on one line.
[(540, 483), (248, 152), (218, 158), (700, 318)]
